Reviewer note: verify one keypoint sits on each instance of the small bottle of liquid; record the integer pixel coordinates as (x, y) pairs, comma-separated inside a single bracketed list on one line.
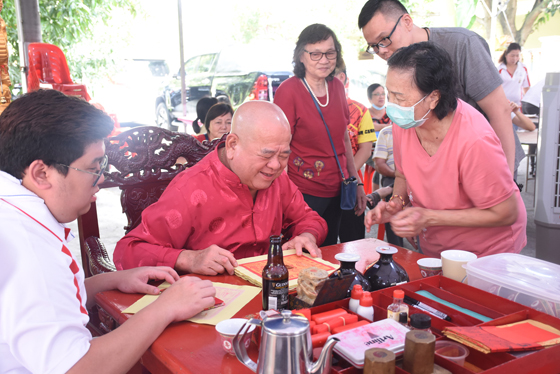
[(419, 321), (355, 297), (365, 309), (275, 278), (403, 319), (394, 310)]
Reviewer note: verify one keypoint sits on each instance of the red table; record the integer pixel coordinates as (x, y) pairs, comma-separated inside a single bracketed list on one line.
[(187, 347)]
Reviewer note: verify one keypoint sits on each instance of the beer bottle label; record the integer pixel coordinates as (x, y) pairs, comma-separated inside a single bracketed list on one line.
[(277, 294)]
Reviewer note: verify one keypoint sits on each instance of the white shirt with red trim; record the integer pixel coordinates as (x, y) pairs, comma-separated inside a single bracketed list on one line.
[(42, 291), (514, 84)]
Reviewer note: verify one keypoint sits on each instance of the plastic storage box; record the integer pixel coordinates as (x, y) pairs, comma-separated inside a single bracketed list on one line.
[(529, 281)]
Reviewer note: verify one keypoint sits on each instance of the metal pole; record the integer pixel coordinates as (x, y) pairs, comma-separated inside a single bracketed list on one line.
[(29, 31), (493, 20), (182, 57)]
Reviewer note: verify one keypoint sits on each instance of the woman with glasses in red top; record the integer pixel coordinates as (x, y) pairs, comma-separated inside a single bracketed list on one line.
[(312, 165)]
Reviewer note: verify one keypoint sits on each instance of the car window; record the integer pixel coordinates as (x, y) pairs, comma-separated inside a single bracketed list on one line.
[(206, 63), (241, 59), (191, 65)]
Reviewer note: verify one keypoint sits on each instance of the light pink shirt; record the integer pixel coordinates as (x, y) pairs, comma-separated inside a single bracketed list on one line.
[(468, 170)]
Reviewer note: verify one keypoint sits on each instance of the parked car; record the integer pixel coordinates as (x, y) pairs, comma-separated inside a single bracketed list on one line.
[(242, 72)]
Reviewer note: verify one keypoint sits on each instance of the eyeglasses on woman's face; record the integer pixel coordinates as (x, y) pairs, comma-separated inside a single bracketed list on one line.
[(316, 56), (383, 43)]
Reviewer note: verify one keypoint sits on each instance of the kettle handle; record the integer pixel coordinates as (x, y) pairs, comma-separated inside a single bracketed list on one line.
[(239, 348)]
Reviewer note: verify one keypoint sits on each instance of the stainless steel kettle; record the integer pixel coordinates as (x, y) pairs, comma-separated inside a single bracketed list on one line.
[(285, 346)]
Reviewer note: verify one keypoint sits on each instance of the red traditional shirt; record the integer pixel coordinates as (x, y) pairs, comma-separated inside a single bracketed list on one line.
[(207, 204)]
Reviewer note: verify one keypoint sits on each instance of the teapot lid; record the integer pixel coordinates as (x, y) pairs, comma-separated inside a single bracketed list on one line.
[(286, 324)]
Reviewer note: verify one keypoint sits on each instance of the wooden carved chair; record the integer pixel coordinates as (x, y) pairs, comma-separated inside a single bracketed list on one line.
[(143, 161)]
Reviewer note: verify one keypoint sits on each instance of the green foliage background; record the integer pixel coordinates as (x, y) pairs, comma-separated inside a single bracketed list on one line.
[(69, 24)]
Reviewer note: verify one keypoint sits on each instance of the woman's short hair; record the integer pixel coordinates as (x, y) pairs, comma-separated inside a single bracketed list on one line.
[(432, 69), (511, 47), (217, 110), (310, 35), (202, 107), (372, 88)]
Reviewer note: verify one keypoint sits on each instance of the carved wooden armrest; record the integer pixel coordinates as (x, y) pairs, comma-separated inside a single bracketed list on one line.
[(99, 261)]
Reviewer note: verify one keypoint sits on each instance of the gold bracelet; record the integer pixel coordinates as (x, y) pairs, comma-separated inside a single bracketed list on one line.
[(400, 197)]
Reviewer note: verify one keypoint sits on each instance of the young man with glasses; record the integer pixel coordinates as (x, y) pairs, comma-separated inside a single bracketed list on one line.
[(52, 157), (387, 26)]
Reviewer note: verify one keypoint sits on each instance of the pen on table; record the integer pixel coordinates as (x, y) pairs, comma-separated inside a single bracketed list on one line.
[(420, 305)]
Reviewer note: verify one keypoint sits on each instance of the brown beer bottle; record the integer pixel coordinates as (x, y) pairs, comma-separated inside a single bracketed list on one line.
[(275, 278)]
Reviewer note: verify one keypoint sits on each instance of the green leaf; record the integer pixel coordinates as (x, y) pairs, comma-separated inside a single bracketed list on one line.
[(465, 13)]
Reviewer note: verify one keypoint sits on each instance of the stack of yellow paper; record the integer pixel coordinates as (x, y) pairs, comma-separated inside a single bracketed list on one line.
[(251, 268)]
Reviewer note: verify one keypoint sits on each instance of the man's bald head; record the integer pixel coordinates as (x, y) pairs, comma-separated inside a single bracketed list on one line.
[(258, 147), (258, 118)]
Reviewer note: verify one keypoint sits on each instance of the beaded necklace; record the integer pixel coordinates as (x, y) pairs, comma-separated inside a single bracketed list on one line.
[(312, 93)]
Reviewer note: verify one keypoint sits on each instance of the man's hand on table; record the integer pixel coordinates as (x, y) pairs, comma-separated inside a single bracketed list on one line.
[(136, 280), (210, 261), (186, 298), (304, 240)]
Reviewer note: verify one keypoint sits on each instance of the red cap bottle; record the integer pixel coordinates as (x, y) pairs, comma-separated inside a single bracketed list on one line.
[(366, 300), (355, 297)]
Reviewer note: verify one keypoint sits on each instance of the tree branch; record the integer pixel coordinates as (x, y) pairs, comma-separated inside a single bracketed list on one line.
[(527, 27)]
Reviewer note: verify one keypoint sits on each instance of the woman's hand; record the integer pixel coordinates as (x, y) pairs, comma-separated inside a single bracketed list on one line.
[(410, 222), (514, 107), (136, 280), (361, 201), (382, 213)]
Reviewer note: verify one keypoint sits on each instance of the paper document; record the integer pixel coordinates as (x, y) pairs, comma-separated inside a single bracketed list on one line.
[(234, 298)]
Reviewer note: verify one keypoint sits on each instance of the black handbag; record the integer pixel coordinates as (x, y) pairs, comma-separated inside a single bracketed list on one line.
[(348, 187)]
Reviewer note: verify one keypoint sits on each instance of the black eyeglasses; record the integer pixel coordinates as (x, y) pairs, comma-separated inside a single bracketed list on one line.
[(316, 56), (103, 167), (383, 43)]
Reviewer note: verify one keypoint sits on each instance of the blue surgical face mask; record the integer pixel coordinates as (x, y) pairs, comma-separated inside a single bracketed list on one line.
[(378, 107), (404, 116)]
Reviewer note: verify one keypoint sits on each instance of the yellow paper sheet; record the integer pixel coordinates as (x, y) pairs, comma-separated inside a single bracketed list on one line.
[(234, 298), (251, 268)]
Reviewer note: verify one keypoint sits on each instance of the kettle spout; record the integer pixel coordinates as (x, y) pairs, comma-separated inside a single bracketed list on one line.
[(324, 362)]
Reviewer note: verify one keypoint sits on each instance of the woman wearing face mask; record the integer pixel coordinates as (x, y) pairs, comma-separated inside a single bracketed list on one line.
[(376, 97), (453, 188), (513, 73)]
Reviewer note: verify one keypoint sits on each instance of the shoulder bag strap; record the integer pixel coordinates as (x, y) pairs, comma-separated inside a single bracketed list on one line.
[(326, 127)]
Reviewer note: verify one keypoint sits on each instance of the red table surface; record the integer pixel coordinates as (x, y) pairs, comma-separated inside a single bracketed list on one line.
[(187, 347)]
